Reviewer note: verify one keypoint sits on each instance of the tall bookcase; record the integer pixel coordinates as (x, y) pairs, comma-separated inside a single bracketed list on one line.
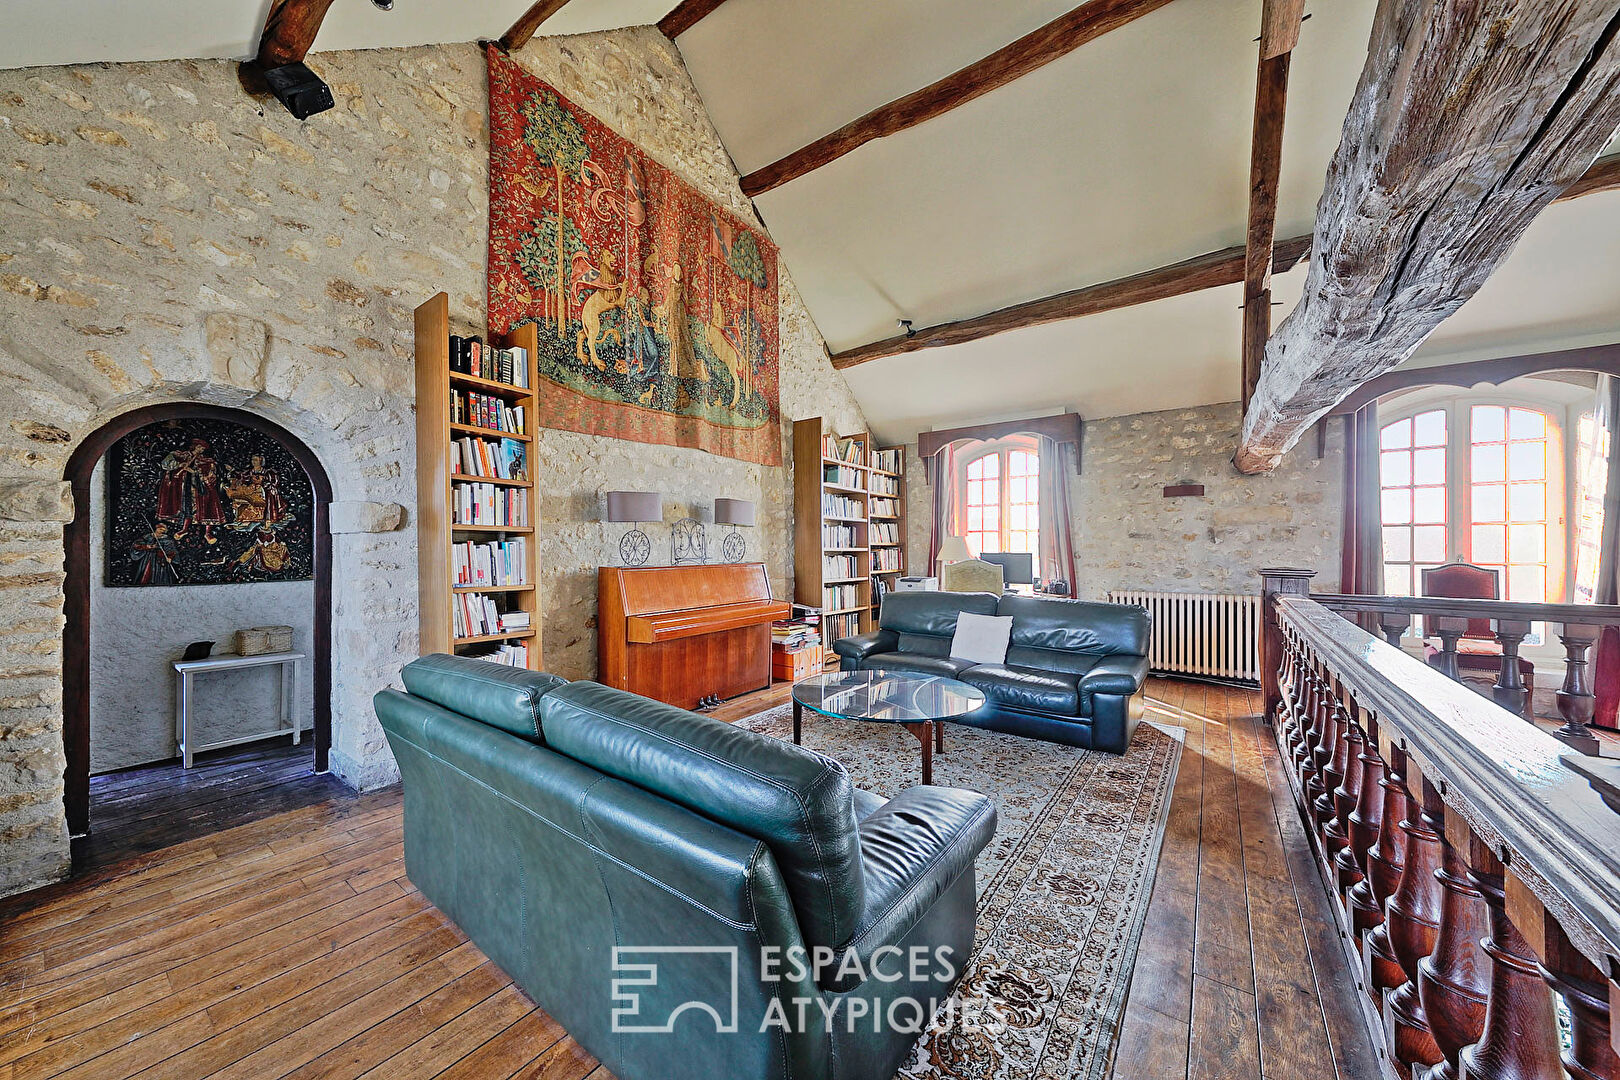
[(440, 487), (837, 538)]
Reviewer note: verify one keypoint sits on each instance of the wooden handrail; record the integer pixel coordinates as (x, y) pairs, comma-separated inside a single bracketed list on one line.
[(1500, 773), (1582, 614), (1469, 868)]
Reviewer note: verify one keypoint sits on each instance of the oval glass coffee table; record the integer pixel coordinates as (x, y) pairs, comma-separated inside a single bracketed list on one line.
[(919, 703)]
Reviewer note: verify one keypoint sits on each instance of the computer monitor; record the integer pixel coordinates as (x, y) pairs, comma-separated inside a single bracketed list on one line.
[(1017, 567)]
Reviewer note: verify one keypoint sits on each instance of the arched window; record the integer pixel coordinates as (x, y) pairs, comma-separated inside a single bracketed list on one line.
[(1476, 480), (998, 496)]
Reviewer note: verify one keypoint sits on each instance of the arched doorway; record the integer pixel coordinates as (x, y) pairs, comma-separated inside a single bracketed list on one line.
[(78, 569)]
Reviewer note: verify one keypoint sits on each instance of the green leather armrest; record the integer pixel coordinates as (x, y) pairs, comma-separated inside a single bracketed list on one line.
[(1122, 674), (912, 851), (863, 645)]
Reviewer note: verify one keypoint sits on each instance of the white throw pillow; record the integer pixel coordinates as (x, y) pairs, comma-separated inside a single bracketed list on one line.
[(981, 638)]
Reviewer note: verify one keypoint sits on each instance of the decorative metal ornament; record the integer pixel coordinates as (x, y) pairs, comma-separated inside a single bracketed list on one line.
[(635, 548), (688, 542), (734, 547)]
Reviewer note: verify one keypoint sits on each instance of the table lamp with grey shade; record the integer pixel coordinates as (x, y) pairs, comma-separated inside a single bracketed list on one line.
[(635, 507), (734, 512)]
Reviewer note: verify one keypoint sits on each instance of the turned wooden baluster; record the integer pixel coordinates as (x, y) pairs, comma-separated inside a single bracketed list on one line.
[(1364, 825), (1385, 861), (1520, 1038), (1509, 691), (1449, 631), (1345, 796), (1309, 724), (1333, 774), (1324, 734), (1412, 923), (1393, 625), (1289, 692), (1454, 979), (1576, 701), (1591, 1054)]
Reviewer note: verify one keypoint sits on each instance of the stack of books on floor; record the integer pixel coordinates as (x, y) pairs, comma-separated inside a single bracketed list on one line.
[(796, 646)]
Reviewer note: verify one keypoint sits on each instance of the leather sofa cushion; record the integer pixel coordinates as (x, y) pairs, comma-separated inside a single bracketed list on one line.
[(1026, 688), (496, 694), (1076, 625), (931, 614), (915, 664), (799, 803)]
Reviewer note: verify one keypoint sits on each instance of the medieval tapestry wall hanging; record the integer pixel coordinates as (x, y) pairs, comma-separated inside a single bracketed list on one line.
[(656, 310), (206, 502)]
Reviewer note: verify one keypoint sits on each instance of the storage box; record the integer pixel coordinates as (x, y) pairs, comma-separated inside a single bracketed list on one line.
[(259, 640), (793, 665)]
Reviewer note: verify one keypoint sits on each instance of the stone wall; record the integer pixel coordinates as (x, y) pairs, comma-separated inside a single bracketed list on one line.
[(1127, 535), (168, 238)]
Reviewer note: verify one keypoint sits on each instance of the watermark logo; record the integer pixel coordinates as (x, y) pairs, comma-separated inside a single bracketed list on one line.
[(627, 1017)]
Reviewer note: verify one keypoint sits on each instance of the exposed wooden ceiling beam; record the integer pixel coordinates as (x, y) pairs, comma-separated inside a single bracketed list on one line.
[(687, 14), (527, 23), (1470, 117), (1279, 31), (289, 31), (1057, 38), (1223, 267), (1604, 175)]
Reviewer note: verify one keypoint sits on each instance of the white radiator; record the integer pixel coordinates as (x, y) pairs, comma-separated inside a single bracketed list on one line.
[(1213, 634)]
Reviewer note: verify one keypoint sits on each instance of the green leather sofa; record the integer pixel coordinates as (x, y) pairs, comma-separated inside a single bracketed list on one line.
[(1074, 670), (565, 825)]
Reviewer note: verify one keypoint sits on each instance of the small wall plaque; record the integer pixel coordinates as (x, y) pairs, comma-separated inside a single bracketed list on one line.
[(1176, 491)]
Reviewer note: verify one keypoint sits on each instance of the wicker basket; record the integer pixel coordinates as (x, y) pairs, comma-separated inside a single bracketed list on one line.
[(258, 640)]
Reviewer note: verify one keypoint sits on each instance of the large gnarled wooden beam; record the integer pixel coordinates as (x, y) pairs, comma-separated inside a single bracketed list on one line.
[(1470, 117), (289, 31), (527, 23), (1223, 267), (1057, 38)]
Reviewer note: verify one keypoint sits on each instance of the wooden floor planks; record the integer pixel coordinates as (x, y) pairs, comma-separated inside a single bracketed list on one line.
[(1238, 974), (294, 946)]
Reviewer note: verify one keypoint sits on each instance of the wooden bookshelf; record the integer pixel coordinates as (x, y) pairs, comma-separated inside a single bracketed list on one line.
[(890, 554), (840, 473), (437, 482)]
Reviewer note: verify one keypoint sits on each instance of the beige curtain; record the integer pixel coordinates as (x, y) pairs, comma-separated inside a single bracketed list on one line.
[(944, 516), (1057, 515)]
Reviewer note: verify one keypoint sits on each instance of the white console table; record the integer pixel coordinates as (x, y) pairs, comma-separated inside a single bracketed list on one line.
[(187, 670)]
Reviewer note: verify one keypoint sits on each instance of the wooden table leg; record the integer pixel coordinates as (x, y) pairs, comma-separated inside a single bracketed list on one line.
[(925, 732), (939, 736), (798, 714)]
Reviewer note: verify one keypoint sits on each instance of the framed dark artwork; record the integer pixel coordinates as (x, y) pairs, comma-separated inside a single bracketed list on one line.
[(206, 502)]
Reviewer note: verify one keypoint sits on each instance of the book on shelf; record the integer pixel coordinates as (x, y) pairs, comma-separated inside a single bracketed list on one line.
[(477, 615), (886, 559), (840, 597), (839, 536), (500, 562), (886, 460), (472, 356), (885, 485), (841, 506), (885, 507), (842, 476), (489, 504), (513, 654), (839, 566), (502, 459), (885, 532), (841, 626), (841, 449), (486, 411)]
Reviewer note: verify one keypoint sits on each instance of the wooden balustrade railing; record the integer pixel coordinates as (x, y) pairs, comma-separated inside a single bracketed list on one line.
[(1476, 877), (1576, 625)]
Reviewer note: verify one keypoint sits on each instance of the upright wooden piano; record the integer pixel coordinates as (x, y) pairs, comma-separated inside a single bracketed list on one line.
[(684, 633)]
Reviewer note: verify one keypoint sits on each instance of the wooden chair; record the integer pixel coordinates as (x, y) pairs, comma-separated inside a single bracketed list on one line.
[(972, 575), (1477, 648)]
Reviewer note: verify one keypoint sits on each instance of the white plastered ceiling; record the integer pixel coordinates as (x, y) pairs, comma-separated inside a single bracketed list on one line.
[(1129, 153)]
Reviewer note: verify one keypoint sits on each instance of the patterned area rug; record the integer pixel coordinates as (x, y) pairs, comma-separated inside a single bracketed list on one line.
[(1063, 887)]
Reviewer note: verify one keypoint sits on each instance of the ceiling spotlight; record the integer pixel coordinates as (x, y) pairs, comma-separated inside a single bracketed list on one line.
[(384, 5)]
